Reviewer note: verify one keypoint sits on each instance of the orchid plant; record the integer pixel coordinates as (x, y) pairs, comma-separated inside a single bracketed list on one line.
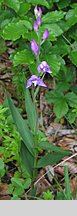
[(31, 139), (43, 66)]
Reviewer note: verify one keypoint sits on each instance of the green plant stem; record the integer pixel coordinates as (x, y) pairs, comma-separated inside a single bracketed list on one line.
[(59, 185), (37, 89), (67, 41), (67, 185)]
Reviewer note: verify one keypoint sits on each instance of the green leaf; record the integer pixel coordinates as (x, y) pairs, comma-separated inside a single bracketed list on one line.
[(24, 8), (1, 164), (60, 196), (27, 158), (71, 98), (54, 31), (21, 126), (17, 182), (48, 146), (27, 183), (71, 116), (50, 159), (25, 23), (39, 2), (14, 31), (63, 4), (2, 46), (53, 16), (2, 173), (54, 62), (22, 57), (31, 111), (71, 17), (15, 197), (14, 4), (67, 183), (33, 68), (73, 57), (62, 86), (1, 150), (61, 47), (60, 107), (52, 96)]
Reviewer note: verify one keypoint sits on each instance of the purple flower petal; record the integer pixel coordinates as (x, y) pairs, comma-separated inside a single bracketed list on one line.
[(29, 83), (41, 83), (39, 69), (35, 26), (44, 67), (46, 34), (36, 81), (37, 11), (34, 47), (39, 21)]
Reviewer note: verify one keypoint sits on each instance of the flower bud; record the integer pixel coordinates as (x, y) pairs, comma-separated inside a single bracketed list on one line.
[(35, 26), (39, 21), (34, 47), (37, 11), (46, 34)]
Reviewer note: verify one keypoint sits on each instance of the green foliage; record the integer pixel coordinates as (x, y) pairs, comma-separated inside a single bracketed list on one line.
[(48, 195), (50, 147), (67, 184), (21, 126), (53, 16), (67, 195), (18, 186), (63, 101), (27, 158), (51, 158), (2, 46), (30, 144), (14, 4), (23, 57), (31, 112), (19, 80), (16, 22), (14, 31), (60, 52), (9, 137), (43, 2), (2, 170), (73, 57)]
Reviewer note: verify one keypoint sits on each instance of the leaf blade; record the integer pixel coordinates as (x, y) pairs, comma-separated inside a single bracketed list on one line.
[(21, 126), (50, 159), (31, 111), (27, 158)]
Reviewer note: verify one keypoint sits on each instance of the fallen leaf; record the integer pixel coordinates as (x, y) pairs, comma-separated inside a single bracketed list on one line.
[(43, 184), (3, 192)]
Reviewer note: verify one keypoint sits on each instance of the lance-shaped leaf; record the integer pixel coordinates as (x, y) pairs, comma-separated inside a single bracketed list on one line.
[(21, 125), (27, 158), (50, 147), (51, 159), (31, 111)]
